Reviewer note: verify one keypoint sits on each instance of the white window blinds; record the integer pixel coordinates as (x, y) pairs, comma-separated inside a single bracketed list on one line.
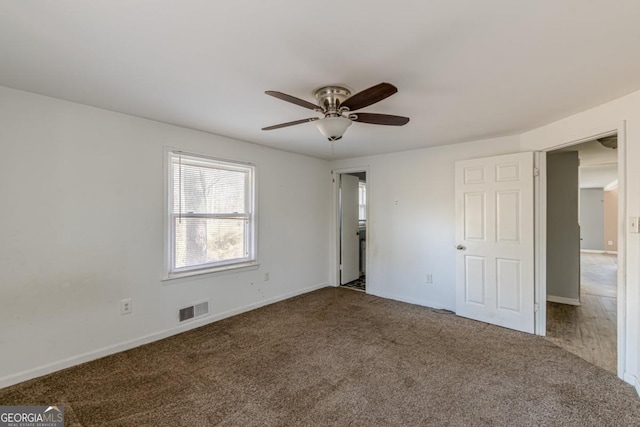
[(211, 213)]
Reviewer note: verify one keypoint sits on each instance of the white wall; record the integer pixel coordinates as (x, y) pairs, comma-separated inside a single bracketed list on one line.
[(622, 114), (592, 219), (411, 223), (611, 220), (563, 231), (82, 228)]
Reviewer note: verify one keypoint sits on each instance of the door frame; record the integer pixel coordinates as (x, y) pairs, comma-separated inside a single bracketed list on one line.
[(540, 238), (335, 259)]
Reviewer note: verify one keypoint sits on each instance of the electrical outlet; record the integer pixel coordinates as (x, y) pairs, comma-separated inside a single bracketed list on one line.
[(126, 306), (429, 278), (610, 243), (266, 277)]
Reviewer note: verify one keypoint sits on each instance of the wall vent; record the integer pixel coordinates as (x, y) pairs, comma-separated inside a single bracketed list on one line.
[(201, 309), (193, 311), (186, 313)]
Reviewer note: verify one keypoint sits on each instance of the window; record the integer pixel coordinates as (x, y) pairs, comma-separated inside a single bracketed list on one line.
[(211, 214), (362, 200)]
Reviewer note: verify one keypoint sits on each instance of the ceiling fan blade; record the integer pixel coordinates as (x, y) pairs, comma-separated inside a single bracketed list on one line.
[(293, 100), (284, 125), (369, 96), (380, 119)]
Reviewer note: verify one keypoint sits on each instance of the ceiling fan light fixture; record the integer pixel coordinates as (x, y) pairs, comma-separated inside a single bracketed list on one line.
[(333, 127)]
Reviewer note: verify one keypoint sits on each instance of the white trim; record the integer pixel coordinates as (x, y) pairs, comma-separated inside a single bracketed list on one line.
[(540, 242), (600, 132), (335, 259), (251, 215), (127, 345), (213, 271), (413, 301), (622, 249), (563, 300), (621, 326), (597, 251)]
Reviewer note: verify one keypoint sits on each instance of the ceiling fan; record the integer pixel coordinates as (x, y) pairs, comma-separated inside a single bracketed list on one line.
[(337, 104)]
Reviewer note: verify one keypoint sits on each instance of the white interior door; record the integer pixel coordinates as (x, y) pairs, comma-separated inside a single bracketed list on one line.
[(349, 227), (495, 238)]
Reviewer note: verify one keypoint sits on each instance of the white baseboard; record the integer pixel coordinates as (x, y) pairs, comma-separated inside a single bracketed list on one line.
[(633, 380), (423, 303), (127, 345), (563, 300)]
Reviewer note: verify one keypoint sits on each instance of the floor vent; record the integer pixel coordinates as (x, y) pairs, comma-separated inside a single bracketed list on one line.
[(193, 311)]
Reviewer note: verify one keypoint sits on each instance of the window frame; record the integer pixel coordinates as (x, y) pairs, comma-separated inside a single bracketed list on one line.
[(362, 188), (250, 215)]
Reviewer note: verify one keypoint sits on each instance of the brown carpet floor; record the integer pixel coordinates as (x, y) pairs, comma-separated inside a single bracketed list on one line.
[(343, 358)]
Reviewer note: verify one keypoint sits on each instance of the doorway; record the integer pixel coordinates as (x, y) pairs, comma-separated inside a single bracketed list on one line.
[(581, 250), (352, 229)]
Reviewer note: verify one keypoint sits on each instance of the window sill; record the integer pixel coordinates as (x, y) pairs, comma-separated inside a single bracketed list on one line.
[(214, 271)]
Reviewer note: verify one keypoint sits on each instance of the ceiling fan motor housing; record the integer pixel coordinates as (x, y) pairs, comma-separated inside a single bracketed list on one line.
[(331, 97)]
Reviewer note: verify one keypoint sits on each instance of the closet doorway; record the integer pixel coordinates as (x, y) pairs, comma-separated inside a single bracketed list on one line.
[(352, 229)]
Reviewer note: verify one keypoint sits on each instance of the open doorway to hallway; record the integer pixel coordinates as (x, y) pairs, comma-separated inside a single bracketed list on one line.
[(353, 229), (582, 235)]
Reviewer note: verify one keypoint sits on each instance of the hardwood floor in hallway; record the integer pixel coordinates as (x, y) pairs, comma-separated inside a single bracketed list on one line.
[(589, 330)]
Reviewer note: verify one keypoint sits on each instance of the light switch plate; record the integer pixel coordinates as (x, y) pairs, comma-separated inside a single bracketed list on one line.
[(633, 224)]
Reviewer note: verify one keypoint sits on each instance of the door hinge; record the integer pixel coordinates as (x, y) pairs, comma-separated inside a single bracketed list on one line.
[(536, 307), (340, 267), (536, 172)]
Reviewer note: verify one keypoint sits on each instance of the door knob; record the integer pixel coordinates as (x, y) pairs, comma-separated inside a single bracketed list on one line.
[(461, 248)]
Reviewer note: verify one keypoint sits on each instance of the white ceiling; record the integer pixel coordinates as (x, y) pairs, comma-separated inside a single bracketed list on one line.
[(465, 69)]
